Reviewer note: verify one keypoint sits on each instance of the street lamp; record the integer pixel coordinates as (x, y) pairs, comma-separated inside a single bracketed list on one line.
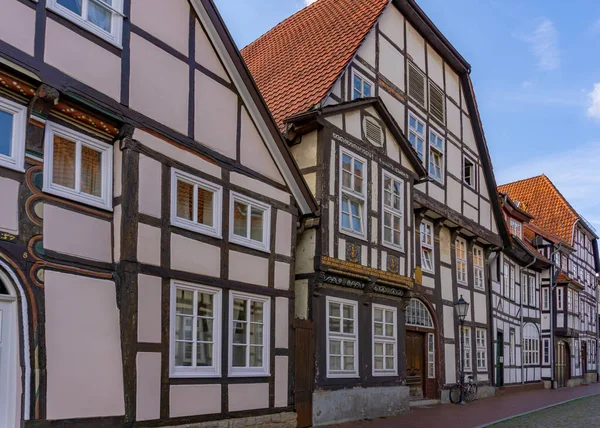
[(461, 307)]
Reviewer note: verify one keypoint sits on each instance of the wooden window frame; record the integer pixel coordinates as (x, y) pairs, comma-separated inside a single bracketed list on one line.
[(265, 369), (385, 340), (80, 140), (194, 371), (264, 244), (116, 10), (393, 212), (198, 183), (16, 159), (342, 337)]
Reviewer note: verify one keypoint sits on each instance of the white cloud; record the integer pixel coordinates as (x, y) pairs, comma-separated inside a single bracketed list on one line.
[(526, 84), (544, 45), (594, 102), (574, 172)]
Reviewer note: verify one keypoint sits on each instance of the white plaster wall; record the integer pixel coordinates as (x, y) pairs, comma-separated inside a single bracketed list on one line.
[(78, 235), (149, 309), (9, 209), (484, 213), (415, 46), (282, 322), (454, 163), (281, 381), (375, 178), (468, 136), (82, 59), (450, 363), (172, 110), (248, 268), (283, 237), (367, 49), (305, 252), (282, 276), (336, 120), (117, 233), (167, 21), (453, 118), (148, 383), (149, 244), (190, 400), (17, 25), (305, 153), (391, 64), (395, 107), (480, 307), (354, 124), (248, 396), (259, 187), (189, 255), (452, 84), (449, 322), (150, 185), (206, 55), (83, 347), (216, 115), (470, 196), (435, 67), (436, 192), (470, 212), (454, 196), (391, 24)]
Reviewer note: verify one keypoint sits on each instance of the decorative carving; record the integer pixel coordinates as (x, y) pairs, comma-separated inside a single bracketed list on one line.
[(390, 291), (393, 264), (343, 282), (353, 252)]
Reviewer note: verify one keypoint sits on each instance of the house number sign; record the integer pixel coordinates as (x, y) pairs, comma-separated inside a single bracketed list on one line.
[(344, 282)]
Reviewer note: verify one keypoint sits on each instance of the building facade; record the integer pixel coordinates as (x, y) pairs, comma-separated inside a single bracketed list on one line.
[(383, 56), (148, 221), (569, 302), (517, 275)]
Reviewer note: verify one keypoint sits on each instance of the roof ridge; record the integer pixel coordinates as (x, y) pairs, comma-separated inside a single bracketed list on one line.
[(558, 192), (522, 179)]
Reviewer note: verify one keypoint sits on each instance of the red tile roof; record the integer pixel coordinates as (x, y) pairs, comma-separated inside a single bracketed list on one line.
[(540, 198), (563, 278), (297, 62)]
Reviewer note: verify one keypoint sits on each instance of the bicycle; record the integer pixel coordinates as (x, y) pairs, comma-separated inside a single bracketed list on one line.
[(470, 391)]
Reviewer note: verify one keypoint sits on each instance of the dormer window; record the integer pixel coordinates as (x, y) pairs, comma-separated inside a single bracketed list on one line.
[(361, 86), (515, 228)]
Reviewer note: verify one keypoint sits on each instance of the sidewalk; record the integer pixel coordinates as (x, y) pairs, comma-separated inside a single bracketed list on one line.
[(479, 412)]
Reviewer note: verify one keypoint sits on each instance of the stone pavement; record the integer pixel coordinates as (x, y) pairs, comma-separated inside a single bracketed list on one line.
[(583, 412), (481, 412)]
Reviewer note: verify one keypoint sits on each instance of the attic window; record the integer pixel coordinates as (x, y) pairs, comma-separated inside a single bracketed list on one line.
[(361, 86), (373, 131), (469, 172), (416, 85), (436, 102)]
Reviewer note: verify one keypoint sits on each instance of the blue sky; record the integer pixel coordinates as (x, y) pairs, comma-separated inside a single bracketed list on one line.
[(536, 71)]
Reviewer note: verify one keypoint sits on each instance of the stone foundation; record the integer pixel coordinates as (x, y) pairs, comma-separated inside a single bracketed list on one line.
[(590, 378), (277, 420), (574, 382), (356, 404)]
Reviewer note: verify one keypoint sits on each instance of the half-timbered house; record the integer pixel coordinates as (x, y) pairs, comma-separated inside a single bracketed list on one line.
[(569, 300), (350, 82), (148, 220), (517, 273)]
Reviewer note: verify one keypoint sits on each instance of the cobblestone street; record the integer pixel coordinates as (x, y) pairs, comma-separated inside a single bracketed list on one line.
[(584, 412)]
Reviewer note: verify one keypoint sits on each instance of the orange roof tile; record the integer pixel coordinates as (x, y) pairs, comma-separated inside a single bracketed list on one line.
[(540, 198), (298, 61), (563, 278)]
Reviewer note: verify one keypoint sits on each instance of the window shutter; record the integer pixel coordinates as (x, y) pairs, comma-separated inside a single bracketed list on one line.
[(436, 102), (373, 131), (416, 85)]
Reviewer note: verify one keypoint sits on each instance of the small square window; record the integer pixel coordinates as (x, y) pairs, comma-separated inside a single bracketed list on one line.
[(103, 18), (77, 167), (196, 204), (249, 222), (469, 172), (13, 122), (361, 86)]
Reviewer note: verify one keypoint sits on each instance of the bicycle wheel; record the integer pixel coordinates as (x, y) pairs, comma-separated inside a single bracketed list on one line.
[(455, 394), (471, 392)]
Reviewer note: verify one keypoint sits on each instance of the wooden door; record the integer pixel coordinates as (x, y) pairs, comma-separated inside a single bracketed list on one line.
[(415, 362), (500, 359), (583, 357), (305, 369), (562, 364)]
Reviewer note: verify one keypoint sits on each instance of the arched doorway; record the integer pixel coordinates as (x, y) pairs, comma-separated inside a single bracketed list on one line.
[(563, 363), (9, 393), (420, 351)]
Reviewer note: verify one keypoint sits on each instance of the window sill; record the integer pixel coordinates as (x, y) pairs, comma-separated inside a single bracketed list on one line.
[(248, 243), (192, 375), (342, 376), (78, 198), (393, 247), (249, 374), (386, 374), (197, 228), (353, 234), (10, 164)]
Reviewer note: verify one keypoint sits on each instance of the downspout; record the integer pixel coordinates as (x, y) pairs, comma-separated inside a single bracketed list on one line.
[(535, 259), (493, 257), (552, 315)]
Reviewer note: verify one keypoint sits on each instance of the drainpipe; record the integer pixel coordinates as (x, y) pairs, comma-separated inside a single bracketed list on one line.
[(491, 338), (552, 315), (535, 259)]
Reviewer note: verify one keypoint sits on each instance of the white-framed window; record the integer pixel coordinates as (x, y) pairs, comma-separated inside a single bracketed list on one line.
[(461, 260), (250, 222), (13, 123), (478, 267), (469, 173), (104, 18), (506, 279), (361, 86), (342, 338), (524, 290), (576, 355), (511, 344), (353, 191), (249, 334), (418, 315), (430, 355), (195, 330), (559, 298), (196, 204), (546, 351), (393, 211), (512, 283), (468, 348), (481, 344), (545, 299), (515, 227), (77, 167), (416, 134), (385, 341), (570, 300), (436, 156), (427, 246)]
